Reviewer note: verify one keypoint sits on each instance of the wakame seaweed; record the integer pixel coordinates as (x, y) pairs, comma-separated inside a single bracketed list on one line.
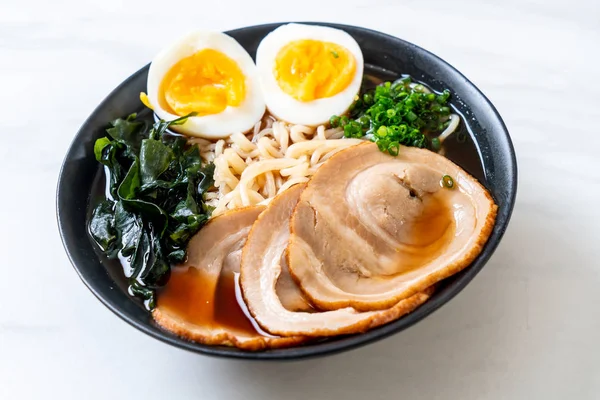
[(156, 204)]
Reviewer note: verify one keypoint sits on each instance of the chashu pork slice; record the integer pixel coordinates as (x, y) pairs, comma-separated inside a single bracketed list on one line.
[(263, 266), (187, 305), (371, 229)]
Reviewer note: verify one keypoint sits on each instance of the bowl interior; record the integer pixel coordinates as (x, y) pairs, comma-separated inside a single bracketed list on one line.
[(495, 166)]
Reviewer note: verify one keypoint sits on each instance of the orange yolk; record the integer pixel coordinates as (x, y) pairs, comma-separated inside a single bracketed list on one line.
[(205, 82), (310, 69)]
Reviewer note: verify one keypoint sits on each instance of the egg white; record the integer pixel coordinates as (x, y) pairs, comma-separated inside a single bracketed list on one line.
[(215, 126), (286, 107)]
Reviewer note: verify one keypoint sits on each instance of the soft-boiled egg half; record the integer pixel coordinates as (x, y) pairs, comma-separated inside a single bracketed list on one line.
[(309, 73), (210, 74)]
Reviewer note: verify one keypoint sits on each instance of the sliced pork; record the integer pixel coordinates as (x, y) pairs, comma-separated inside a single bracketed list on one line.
[(263, 265), (371, 230)]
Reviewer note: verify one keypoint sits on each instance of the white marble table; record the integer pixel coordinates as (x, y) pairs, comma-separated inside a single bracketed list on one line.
[(528, 327)]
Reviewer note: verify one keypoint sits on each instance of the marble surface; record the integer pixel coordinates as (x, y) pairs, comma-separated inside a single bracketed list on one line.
[(527, 327)]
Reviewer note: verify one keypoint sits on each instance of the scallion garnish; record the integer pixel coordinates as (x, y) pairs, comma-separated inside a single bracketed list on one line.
[(395, 114), (447, 181)]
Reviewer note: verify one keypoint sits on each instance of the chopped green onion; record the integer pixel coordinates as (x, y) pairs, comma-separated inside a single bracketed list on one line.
[(334, 121), (447, 181), (364, 122), (397, 86), (395, 114), (353, 130), (436, 144), (443, 98), (394, 148), (335, 54)]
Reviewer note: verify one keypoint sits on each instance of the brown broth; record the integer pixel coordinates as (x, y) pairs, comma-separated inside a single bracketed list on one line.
[(190, 294), (462, 150), (195, 297), (228, 312)]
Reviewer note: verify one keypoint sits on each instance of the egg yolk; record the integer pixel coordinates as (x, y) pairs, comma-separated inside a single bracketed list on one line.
[(311, 69), (205, 83)]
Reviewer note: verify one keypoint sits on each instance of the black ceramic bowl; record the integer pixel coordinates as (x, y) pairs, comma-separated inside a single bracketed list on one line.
[(495, 165)]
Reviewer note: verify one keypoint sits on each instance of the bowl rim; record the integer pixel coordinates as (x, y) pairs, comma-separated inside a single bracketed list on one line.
[(320, 348)]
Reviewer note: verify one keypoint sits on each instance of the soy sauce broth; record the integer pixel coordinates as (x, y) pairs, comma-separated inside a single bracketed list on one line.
[(193, 295)]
